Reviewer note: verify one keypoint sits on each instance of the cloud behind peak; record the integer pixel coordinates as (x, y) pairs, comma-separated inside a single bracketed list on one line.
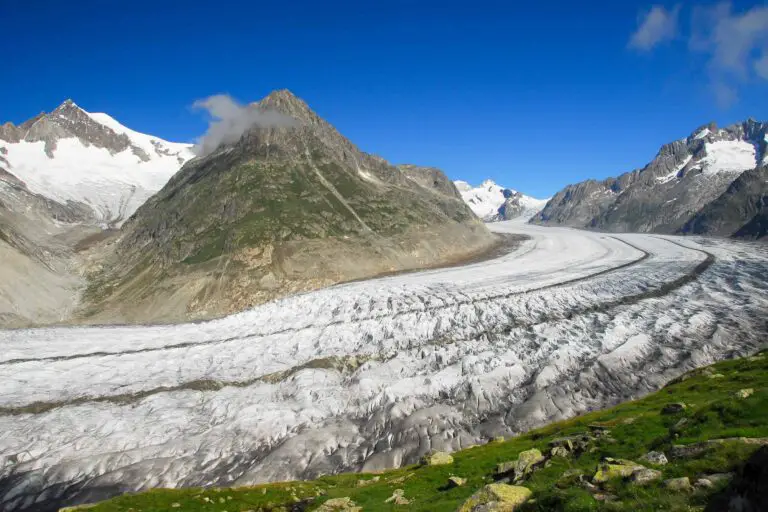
[(230, 120)]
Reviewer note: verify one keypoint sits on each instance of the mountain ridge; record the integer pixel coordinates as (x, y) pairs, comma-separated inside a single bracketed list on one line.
[(683, 178)]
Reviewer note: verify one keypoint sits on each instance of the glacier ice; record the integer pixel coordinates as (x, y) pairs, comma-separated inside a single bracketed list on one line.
[(371, 374)]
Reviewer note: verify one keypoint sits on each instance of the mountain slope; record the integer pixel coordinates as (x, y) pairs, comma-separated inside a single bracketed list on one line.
[(492, 202), (37, 238), (746, 199), (684, 177), (75, 157), (283, 209)]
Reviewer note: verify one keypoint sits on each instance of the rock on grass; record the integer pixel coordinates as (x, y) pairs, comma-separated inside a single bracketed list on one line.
[(437, 459), (497, 498)]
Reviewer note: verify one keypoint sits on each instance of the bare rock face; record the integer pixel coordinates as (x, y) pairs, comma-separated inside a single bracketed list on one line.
[(706, 183), (431, 178), (513, 206), (741, 211)]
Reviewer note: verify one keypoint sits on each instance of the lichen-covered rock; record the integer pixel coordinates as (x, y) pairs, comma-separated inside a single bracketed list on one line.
[(502, 468), (645, 476), (363, 483), (497, 498), (744, 393), (526, 462), (456, 481), (339, 505), (437, 459), (559, 451), (523, 466), (615, 468), (678, 484), (398, 498), (657, 458)]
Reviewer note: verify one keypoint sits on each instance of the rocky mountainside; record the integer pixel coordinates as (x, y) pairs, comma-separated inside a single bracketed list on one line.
[(89, 162), (745, 198), (285, 208), (693, 185), (37, 240), (431, 178), (492, 202)]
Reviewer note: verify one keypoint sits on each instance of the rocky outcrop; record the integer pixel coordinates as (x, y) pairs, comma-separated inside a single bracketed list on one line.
[(703, 184), (430, 178)]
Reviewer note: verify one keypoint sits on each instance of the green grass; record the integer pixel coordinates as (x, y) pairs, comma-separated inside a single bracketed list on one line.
[(636, 427)]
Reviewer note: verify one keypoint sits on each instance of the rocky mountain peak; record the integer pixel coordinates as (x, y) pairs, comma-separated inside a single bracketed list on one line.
[(285, 102), (68, 107), (70, 121)]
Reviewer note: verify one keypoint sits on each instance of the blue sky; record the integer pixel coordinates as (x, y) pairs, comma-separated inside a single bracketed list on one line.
[(534, 96)]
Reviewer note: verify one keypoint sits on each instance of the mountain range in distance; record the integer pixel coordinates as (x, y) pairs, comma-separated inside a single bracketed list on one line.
[(713, 182)]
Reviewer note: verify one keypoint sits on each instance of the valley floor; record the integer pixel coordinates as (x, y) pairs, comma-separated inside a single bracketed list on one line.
[(371, 375)]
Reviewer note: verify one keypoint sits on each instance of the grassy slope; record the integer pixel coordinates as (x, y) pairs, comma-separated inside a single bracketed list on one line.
[(637, 427)]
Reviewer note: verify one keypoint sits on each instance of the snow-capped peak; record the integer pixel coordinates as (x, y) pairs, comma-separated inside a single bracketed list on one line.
[(71, 155), (492, 202)]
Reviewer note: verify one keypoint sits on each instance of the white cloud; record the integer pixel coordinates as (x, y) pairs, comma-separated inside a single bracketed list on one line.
[(736, 45), (230, 120), (658, 25)]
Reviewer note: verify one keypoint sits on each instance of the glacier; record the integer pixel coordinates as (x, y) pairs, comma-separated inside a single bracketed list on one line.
[(372, 374)]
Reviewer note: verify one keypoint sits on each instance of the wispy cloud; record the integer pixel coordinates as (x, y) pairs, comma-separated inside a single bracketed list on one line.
[(230, 120), (735, 43), (655, 27)]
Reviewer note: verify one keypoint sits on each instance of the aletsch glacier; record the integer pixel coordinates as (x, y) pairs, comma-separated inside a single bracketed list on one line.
[(371, 374)]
